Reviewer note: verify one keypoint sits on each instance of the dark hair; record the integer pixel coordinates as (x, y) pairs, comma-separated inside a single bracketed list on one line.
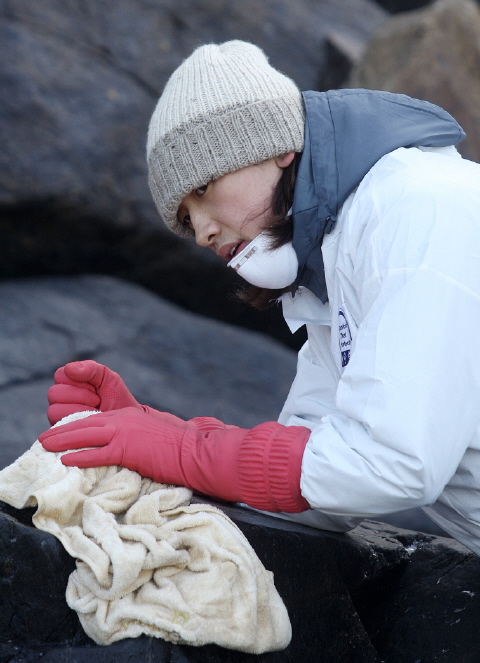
[(280, 230)]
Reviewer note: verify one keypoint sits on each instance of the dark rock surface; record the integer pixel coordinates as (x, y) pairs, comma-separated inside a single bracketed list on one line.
[(397, 6), (431, 54), (170, 359), (34, 570), (376, 594)]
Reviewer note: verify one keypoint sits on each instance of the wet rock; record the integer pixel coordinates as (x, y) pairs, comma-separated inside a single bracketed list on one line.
[(427, 608), (431, 54), (34, 570), (376, 594)]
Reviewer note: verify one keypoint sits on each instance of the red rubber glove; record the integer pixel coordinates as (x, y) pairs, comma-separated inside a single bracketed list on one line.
[(260, 466), (87, 385)]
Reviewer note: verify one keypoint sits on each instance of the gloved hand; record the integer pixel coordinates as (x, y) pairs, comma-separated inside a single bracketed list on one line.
[(87, 385), (260, 466)]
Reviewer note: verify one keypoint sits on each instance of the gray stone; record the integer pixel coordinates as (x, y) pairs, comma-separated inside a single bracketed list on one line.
[(38, 239), (79, 82), (342, 52), (432, 54), (170, 359)]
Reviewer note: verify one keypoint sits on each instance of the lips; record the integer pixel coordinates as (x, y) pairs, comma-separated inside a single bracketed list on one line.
[(229, 251)]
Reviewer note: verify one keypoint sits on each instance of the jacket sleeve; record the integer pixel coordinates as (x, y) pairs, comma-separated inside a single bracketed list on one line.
[(408, 401)]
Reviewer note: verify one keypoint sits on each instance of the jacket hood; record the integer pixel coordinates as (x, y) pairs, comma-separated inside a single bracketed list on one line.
[(346, 133)]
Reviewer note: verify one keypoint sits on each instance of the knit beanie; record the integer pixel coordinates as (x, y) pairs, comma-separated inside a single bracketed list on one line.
[(224, 108)]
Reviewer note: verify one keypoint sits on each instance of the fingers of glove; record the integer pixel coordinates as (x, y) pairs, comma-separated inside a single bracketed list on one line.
[(101, 419), (112, 390), (60, 377), (58, 411), (65, 393), (62, 440), (88, 370), (89, 458)]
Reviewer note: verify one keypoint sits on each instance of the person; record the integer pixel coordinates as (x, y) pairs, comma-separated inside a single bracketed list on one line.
[(354, 209)]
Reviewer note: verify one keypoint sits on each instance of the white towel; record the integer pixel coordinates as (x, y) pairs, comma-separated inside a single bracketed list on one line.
[(148, 561)]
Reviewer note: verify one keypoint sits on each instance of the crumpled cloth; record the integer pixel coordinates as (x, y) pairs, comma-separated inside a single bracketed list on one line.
[(148, 561)]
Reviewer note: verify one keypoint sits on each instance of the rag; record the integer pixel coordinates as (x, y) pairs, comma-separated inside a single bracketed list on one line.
[(148, 561)]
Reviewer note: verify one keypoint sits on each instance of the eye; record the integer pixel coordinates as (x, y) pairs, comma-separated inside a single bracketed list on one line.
[(186, 220), (201, 190)]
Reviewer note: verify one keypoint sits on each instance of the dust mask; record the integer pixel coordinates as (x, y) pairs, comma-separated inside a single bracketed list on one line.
[(264, 267)]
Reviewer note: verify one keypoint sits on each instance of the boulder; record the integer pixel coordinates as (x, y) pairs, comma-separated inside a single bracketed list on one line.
[(80, 81), (432, 54), (40, 239), (376, 594), (170, 359), (34, 570)]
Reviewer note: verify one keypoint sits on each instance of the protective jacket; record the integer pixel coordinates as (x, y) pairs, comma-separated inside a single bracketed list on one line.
[(389, 379)]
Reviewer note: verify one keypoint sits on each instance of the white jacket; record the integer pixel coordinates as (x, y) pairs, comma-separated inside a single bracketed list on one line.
[(389, 379)]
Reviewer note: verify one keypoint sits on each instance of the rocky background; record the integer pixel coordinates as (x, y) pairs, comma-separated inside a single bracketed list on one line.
[(87, 270), (79, 81)]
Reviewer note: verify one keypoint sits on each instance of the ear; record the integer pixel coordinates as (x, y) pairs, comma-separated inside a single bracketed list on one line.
[(285, 160)]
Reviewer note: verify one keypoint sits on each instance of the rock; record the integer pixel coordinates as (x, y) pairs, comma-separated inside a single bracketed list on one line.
[(378, 593), (170, 359), (79, 83), (431, 54), (34, 570), (90, 76), (396, 6), (40, 239), (342, 52)]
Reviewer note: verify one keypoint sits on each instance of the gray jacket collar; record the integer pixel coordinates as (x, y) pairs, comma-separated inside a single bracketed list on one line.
[(346, 133)]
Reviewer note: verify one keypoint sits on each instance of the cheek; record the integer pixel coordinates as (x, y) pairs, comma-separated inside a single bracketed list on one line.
[(243, 207)]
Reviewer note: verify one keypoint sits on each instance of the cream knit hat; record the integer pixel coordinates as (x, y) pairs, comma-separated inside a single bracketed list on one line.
[(224, 108)]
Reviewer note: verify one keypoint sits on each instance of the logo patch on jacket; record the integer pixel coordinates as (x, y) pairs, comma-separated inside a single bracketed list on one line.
[(344, 337)]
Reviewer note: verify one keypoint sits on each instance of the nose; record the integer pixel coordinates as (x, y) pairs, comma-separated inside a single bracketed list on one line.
[(206, 231)]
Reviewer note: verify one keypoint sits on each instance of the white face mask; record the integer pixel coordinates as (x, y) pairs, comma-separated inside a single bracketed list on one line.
[(264, 267)]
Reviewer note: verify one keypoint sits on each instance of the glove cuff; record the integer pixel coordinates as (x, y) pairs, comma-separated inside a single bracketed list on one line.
[(269, 467), (260, 466)]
